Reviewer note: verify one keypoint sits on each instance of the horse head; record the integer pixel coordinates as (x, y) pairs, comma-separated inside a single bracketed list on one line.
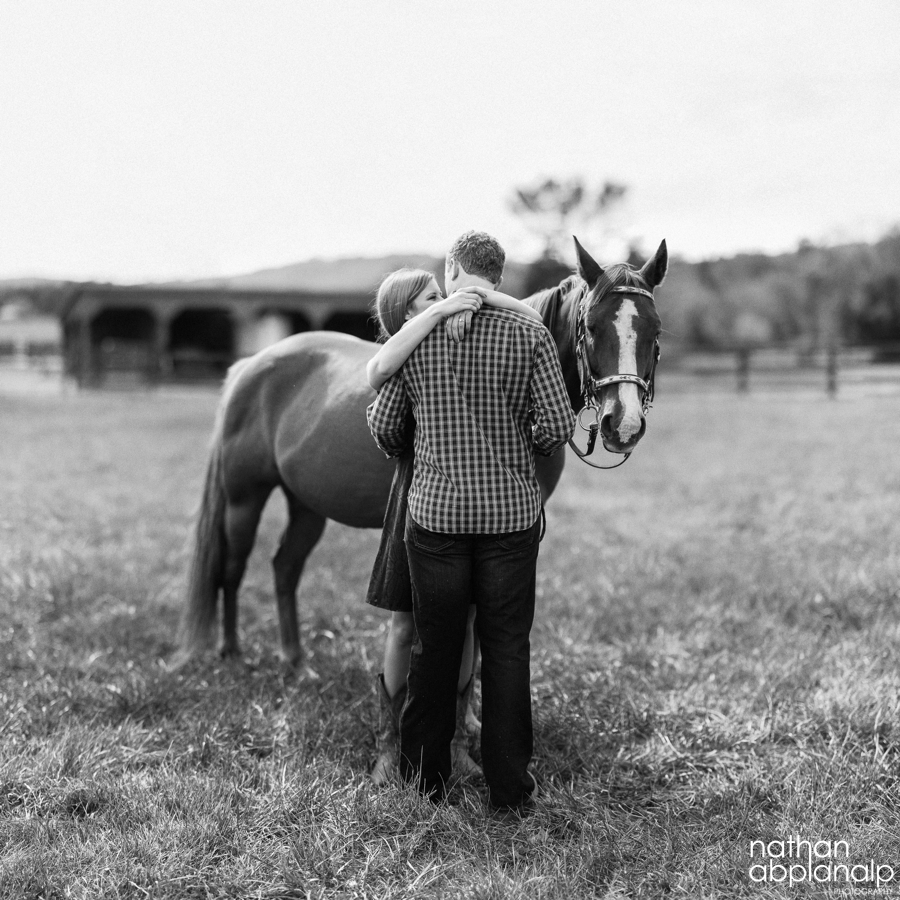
[(616, 342)]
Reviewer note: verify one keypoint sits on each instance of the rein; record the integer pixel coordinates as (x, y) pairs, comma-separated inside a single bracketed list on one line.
[(591, 385)]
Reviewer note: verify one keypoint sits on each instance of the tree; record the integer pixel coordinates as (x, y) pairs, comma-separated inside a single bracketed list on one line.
[(875, 314), (555, 210)]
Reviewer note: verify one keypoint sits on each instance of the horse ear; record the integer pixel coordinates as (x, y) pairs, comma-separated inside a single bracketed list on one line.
[(587, 268), (655, 268)]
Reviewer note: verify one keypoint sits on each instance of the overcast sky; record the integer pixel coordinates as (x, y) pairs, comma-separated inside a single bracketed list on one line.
[(155, 140)]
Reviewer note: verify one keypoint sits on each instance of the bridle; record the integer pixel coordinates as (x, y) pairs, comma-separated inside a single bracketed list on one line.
[(591, 385)]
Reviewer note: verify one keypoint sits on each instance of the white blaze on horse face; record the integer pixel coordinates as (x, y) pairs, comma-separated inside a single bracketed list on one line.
[(632, 414)]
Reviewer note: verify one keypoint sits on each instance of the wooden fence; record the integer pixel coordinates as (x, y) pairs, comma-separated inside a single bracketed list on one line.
[(830, 371)]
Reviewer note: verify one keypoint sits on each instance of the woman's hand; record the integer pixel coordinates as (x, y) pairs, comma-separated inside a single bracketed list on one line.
[(465, 300), (458, 309)]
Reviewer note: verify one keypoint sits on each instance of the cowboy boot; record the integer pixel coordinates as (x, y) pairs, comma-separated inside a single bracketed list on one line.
[(473, 723), (463, 764), (387, 739)]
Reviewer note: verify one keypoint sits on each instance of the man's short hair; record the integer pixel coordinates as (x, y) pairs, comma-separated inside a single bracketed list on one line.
[(479, 254)]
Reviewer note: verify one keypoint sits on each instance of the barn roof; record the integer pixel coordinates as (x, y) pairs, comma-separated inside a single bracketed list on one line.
[(181, 296)]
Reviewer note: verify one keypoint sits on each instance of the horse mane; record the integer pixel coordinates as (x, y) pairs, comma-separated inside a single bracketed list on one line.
[(543, 301), (616, 275)]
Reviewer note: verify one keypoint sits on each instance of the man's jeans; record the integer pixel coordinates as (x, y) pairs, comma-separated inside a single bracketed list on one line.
[(496, 572)]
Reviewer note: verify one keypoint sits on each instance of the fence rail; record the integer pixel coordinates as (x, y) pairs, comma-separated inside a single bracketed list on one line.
[(775, 369), (829, 370)]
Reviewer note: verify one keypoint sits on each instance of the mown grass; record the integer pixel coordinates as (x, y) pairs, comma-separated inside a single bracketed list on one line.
[(715, 661)]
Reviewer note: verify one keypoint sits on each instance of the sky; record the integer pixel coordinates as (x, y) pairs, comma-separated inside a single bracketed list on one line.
[(154, 140)]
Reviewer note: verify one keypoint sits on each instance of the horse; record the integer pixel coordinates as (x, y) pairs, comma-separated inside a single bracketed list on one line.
[(294, 417)]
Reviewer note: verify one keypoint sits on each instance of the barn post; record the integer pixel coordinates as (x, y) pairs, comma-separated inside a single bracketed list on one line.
[(243, 317), (162, 360), (85, 355)]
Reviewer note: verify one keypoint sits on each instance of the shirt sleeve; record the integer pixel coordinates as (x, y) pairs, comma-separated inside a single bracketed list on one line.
[(387, 414), (554, 421)]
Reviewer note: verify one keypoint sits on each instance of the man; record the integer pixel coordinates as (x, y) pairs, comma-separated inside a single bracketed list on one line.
[(483, 407)]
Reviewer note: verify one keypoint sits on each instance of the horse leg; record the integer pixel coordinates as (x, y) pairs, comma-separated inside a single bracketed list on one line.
[(241, 521), (303, 530)]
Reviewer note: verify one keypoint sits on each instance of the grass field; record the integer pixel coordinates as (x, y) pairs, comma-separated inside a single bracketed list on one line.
[(716, 661)]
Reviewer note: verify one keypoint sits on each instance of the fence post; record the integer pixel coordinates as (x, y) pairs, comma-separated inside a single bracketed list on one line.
[(743, 370), (831, 370)]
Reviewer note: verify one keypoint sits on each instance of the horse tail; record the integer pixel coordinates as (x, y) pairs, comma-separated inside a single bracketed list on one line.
[(209, 546)]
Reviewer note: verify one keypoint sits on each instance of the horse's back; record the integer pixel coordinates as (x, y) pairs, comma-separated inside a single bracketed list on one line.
[(296, 416)]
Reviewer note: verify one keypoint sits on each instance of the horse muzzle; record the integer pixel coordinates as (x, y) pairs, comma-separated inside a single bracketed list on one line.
[(619, 432)]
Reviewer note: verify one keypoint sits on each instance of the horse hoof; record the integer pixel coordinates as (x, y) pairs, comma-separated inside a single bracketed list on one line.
[(229, 651), (302, 673), (292, 658), (463, 764), (384, 771), (178, 661)]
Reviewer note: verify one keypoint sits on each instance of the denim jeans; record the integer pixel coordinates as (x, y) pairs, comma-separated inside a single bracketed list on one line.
[(496, 572)]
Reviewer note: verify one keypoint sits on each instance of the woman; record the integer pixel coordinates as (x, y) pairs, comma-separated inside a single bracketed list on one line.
[(409, 305)]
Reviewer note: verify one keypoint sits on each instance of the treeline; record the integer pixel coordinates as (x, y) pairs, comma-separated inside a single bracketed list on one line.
[(814, 298)]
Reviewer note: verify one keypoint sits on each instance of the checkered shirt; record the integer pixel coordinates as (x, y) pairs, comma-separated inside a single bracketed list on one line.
[(482, 407)]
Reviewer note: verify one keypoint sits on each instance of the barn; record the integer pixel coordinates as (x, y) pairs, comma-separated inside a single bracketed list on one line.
[(148, 333)]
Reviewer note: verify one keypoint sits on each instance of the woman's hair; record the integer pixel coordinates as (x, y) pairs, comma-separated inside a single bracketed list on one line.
[(395, 293)]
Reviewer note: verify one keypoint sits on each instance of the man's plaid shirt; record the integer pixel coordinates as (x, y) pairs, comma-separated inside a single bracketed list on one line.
[(482, 407)]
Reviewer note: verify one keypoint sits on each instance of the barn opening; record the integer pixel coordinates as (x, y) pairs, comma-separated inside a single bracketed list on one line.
[(298, 322), (359, 324), (122, 342), (268, 327), (201, 343)]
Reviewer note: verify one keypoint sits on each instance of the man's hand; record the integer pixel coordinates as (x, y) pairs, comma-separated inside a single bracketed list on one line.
[(457, 326)]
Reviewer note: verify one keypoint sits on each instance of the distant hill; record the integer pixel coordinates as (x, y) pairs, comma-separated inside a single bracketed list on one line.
[(42, 295), (357, 273), (29, 286)]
